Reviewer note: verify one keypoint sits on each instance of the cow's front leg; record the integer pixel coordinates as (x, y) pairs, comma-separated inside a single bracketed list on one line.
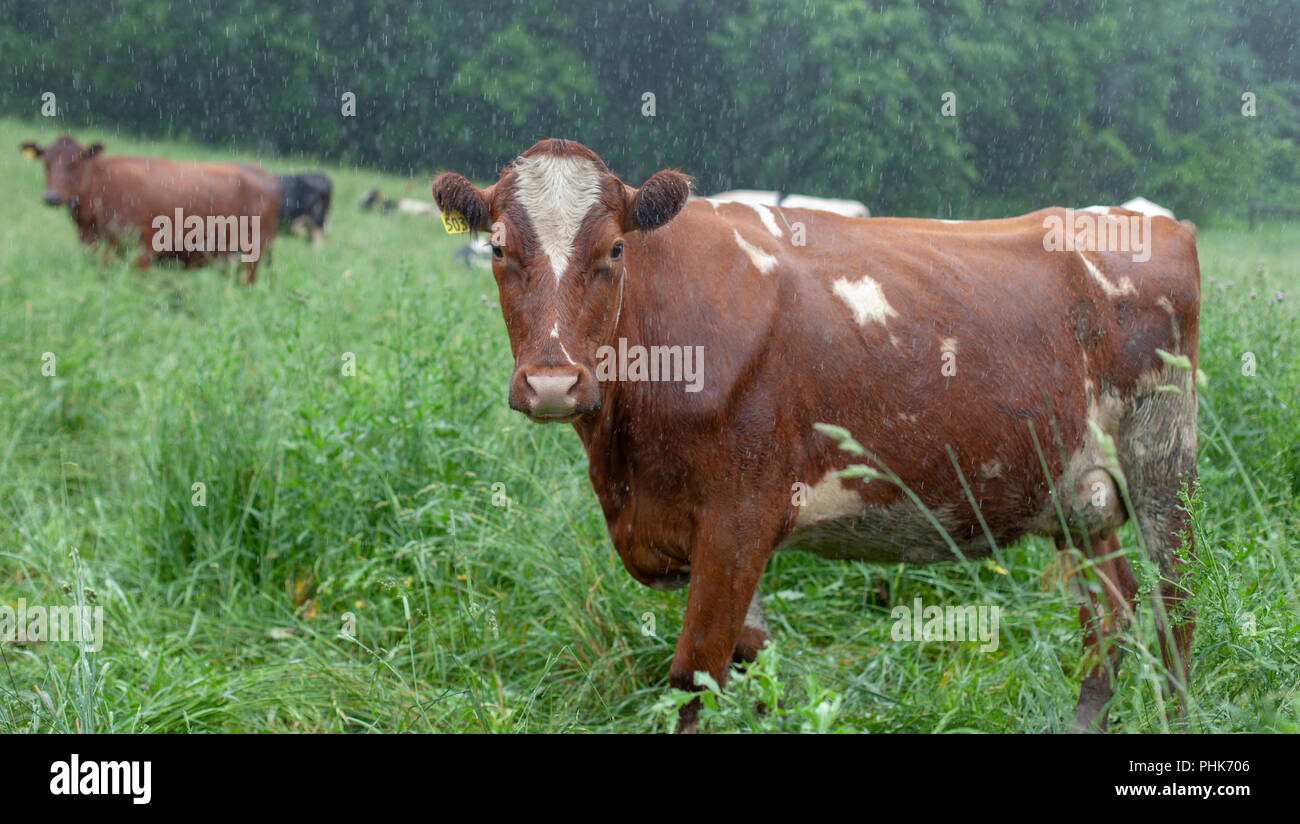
[(144, 258), (754, 633), (724, 582)]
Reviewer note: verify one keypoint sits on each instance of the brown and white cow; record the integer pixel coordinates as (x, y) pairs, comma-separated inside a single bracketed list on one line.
[(1055, 357), (131, 200)]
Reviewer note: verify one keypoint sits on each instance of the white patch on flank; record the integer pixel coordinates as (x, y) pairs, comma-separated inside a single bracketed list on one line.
[(765, 215), (865, 299), (1099, 210), (941, 220), (764, 261), (555, 330), (556, 192), (948, 346), (1112, 291), (826, 499)]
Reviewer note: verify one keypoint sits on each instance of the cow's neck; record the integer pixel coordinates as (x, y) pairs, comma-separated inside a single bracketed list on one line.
[(675, 296)]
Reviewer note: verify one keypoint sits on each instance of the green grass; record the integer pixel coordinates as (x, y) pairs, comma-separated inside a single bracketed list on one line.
[(368, 501)]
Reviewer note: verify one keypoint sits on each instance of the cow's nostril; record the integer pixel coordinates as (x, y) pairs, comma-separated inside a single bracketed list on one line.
[(551, 394)]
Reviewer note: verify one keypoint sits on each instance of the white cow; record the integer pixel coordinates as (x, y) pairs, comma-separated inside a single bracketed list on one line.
[(756, 197), (408, 206), (1146, 207)]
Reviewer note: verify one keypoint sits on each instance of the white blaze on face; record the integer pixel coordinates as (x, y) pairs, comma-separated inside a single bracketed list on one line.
[(865, 299), (556, 193)]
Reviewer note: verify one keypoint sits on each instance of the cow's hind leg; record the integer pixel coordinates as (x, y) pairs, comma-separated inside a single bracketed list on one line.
[(1104, 612)]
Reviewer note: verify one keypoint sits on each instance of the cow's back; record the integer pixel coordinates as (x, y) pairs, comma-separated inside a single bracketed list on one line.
[(130, 192)]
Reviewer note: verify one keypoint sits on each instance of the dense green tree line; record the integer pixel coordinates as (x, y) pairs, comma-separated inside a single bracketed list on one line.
[(1053, 102)]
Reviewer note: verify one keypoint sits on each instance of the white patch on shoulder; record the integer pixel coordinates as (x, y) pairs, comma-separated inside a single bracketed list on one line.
[(826, 499), (555, 330), (1125, 286), (865, 299), (1098, 210), (556, 192), (764, 261), (948, 346), (765, 215), (941, 220)]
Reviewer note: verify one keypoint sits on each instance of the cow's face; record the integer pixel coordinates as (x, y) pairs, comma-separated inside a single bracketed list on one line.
[(562, 230), (63, 159)]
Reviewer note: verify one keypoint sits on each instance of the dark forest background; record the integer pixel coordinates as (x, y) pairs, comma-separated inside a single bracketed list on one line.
[(1068, 103)]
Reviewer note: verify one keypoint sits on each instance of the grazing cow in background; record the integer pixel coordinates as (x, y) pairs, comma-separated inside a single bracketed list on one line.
[(403, 206), (755, 197), (192, 212), (373, 199), (477, 252), (1057, 400), (305, 204)]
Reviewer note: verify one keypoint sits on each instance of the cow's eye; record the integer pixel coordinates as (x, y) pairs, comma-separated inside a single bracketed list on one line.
[(617, 251), (496, 251)]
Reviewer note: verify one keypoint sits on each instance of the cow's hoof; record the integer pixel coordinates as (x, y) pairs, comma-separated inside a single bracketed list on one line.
[(688, 717), (1088, 720), (751, 641)]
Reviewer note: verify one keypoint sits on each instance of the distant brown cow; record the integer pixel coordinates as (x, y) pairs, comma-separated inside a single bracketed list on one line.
[(193, 212), (1007, 373)]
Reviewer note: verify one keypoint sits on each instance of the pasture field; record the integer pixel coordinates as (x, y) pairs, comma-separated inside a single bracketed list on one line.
[(398, 551)]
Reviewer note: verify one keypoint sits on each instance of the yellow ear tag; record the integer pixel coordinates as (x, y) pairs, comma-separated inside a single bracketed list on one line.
[(454, 223), (29, 153)]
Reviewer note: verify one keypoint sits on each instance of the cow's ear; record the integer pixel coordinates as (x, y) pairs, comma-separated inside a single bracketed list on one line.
[(454, 193), (31, 151), (657, 201), (92, 150)]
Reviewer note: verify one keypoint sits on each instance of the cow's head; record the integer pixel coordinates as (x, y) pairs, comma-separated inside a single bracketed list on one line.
[(63, 159), (561, 228)]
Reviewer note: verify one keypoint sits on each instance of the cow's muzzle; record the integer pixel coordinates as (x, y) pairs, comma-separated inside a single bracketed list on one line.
[(52, 198), (554, 394)]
